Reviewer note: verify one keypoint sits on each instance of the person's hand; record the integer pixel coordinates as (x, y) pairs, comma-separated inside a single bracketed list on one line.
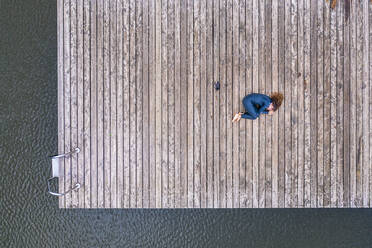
[(237, 117), (271, 112)]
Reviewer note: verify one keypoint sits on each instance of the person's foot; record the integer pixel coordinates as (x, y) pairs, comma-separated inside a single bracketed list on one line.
[(237, 117)]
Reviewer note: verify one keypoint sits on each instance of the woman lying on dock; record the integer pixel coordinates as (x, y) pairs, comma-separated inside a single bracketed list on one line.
[(256, 104)]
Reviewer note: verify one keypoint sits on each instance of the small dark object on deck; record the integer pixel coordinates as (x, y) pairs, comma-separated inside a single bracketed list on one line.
[(217, 85), (299, 74)]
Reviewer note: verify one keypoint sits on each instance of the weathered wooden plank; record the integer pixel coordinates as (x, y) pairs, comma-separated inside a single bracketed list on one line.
[(262, 120), (229, 104), (113, 105), (223, 112), (80, 104), (93, 101), (352, 102), (333, 110), (126, 100), (326, 111), (106, 106), (177, 103), (255, 64), (87, 133), (184, 90), (164, 104), (313, 105), (146, 107), (281, 80), (132, 105), (339, 86), (171, 103), (120, 103), (236, 98), (196, 102), (216, 104), (294, 103), (126, 91), (268, 91), (152, 102), (241, 54), (306, 85), (370, 101), (359, 102), (158, 102), (139, 103), (287, 106), (190, 105), (275, 118), (100, 168), (346, 109), (67, 99), (209, 108), (61, 86), (72, 198), (321, 52), (248, 90), (300, 97), (203, 103)]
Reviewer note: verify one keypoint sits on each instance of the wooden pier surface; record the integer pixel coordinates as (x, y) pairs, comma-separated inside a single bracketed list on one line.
[(135, 94)]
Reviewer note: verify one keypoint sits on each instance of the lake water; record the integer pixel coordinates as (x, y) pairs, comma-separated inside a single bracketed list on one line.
[(28, 134)]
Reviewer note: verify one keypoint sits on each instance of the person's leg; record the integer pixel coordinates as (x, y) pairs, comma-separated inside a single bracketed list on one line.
[(249, 107)]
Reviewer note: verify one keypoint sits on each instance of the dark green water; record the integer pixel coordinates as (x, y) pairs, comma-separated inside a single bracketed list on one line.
[(28, 134)]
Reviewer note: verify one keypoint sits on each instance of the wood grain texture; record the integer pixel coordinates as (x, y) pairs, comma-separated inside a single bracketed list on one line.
[(248, 88), (268, 91), (60, 100), (80, 103), (339, 106), (203, 104), (100, 151), (281, 111), (333, 111), (241, 139), (229, 103), (216, 104), (346, 112), (67, 99), (275, 118), (321, 24), (120, 105), (287, 107), (366, 107), (307, 97), (300, 96), (255, 130), (352, 102), (190, 103), (136, 95), (261, 89), (152, 103), (223, 112), (209, 59), (313, 106)]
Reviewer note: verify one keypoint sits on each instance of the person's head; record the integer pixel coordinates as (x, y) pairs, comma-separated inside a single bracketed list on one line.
[(277, 99)]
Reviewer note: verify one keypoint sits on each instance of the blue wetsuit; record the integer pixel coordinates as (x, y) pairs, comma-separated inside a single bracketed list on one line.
[(255, 104)]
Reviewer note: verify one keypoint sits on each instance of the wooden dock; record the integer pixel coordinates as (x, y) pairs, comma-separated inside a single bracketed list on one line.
[(135, 94)]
